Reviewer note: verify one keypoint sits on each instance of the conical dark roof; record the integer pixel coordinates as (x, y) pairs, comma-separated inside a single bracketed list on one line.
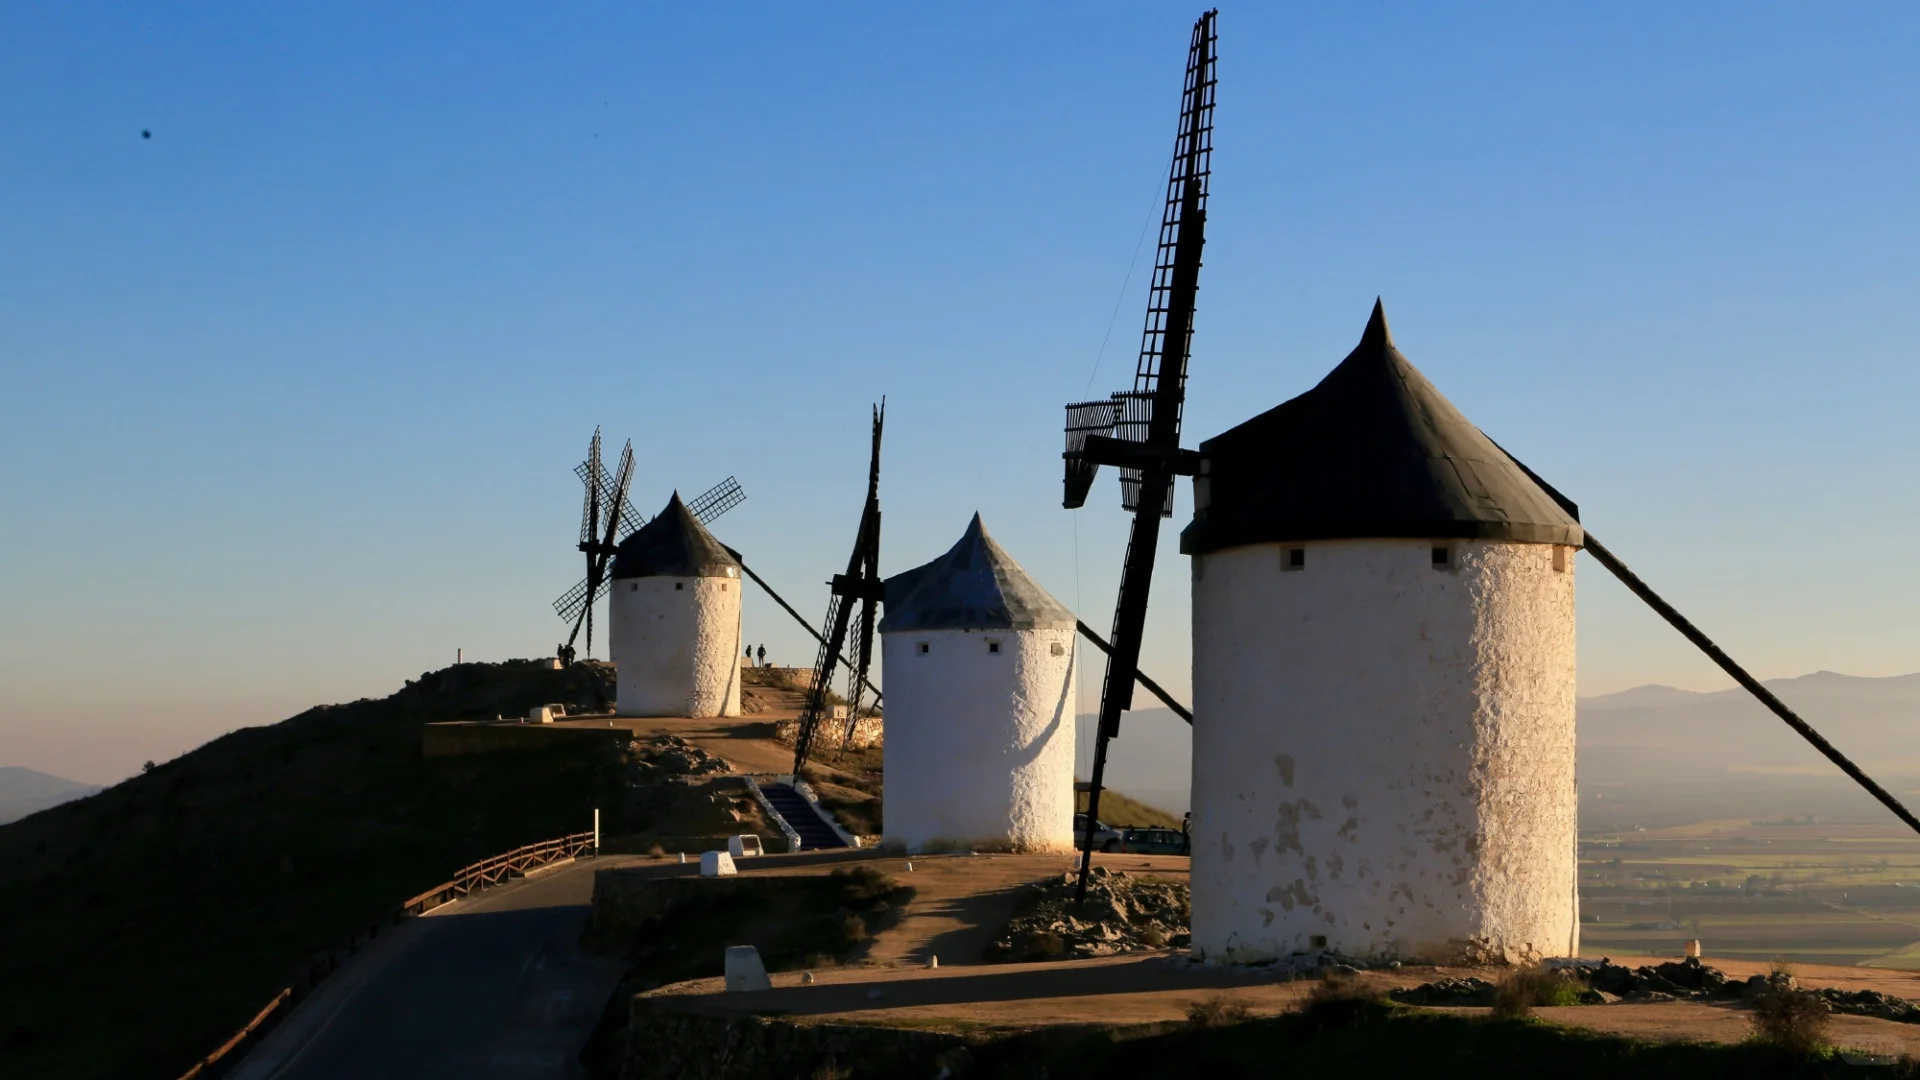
[(976, 585), (674, 544), (1373, 451)]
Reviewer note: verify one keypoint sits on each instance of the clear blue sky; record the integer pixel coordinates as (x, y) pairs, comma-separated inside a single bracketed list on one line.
[(289, 392)]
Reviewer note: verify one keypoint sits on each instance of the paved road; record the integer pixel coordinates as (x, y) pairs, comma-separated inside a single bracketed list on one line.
[(494, 986)]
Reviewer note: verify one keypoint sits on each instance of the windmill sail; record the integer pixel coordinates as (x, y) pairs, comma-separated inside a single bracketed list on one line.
[(855, 593), (1146, 419), (717, 500)]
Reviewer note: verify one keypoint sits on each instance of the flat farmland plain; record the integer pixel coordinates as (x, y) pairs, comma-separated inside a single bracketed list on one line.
[(1795, 888)]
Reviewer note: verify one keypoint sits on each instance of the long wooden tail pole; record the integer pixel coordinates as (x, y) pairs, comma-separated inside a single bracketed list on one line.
[(801, 619), (1692, 633), (1139, 676)]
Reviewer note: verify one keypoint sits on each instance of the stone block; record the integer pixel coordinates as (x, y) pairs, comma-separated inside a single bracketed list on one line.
[(744, 969)]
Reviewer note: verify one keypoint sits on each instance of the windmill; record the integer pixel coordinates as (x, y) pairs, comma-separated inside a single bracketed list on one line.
[(607, 516), (1139, 430), (856, 594)]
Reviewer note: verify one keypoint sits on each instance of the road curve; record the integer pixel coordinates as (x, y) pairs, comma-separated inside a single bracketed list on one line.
[(492, 986)]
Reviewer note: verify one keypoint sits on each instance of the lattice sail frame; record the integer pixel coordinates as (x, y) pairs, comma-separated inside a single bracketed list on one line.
[(705, 508), (1128, 415)]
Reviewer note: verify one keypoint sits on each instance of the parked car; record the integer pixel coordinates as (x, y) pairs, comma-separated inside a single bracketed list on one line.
[(1152, 841), (1105, 837)]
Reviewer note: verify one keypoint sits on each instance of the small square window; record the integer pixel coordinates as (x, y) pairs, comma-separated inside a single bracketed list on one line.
[(723, 586), (1442, 558), (1317, 941), (1059, 649), (993, 646), (924, 648), (1296, 559), (678, 585), (635, 587)]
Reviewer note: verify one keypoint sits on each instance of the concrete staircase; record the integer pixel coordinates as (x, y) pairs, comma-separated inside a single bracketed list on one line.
[(815, 834)]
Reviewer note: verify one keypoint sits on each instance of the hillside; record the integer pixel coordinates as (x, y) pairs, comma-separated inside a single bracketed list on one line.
[(141, 925), (25, 791)]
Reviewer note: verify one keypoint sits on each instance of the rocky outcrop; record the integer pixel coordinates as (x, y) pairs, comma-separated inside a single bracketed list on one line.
[(1122, 914), (669, 756)]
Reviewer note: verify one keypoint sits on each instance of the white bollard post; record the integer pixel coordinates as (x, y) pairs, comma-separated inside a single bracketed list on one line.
[(596, 830), (745, 970)]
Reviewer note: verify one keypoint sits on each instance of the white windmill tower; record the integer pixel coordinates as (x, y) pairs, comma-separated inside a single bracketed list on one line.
[(980, 704), (675, 610), (1383, 673)]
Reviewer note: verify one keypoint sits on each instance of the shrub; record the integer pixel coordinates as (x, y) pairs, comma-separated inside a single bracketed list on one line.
[(1154, 937), (853, 929), (1044, 945), (656, 852), (1343, 1002), (1217, 1011), (1527, 988), (863, 883), (1793, 1020)]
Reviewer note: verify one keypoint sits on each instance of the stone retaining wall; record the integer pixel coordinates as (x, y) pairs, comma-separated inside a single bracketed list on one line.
[(868, 732), (625, 898), (663, 1044), (459, 737)]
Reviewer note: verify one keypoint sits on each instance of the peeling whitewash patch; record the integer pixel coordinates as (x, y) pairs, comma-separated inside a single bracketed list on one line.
[(676, 643), (1401, 735), (979, 743)]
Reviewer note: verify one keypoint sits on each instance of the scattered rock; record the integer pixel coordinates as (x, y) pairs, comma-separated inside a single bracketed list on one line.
[(1869, 1003), (1680, 980), (672, 756), (1452, 992), (1122, 914)]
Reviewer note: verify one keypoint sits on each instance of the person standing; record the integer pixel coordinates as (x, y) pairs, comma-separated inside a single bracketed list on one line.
[(1186, 833), (763, 655)]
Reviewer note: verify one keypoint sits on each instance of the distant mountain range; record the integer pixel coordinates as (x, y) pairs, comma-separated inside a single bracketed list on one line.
[(1646, 734), (24, 791), (1655, 732)]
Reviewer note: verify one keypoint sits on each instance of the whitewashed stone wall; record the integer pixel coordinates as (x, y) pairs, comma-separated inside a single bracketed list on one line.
[(1383, 753), (979, 744), (676, 642)]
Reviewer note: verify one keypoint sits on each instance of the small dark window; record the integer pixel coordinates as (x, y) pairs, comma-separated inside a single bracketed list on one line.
[(993, 646), (1317, 941), (635, 587), (925, 648), (1296, 558), (678, 585), (1442, 558), (1059, 649)]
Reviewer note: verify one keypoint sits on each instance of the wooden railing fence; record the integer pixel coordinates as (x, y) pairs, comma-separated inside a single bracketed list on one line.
[(467, 880)]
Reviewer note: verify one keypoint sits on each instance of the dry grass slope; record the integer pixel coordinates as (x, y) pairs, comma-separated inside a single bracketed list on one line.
[(140, 926)]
